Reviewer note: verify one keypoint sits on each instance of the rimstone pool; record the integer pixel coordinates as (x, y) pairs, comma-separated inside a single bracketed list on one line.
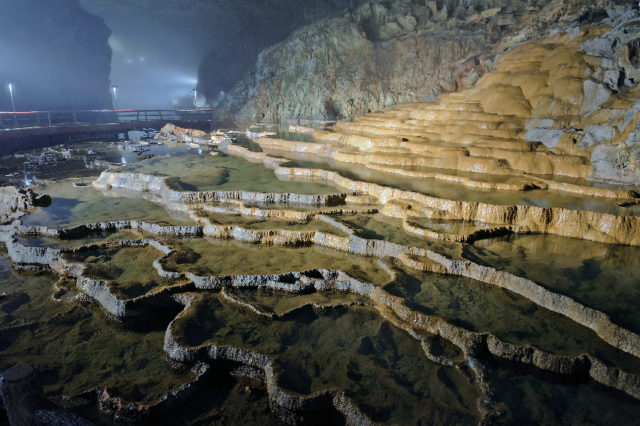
[(230, 285)]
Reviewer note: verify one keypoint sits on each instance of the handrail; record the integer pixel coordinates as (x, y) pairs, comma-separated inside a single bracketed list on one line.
[(68, 111), (39, 119)]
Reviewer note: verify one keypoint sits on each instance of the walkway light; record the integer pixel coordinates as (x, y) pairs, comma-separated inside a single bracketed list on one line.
[(13, 105), (114, 90)]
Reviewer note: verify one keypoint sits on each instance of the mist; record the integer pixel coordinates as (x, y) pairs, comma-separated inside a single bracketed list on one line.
[(155, 59), (146, 54), (54, 55), (70, 55)]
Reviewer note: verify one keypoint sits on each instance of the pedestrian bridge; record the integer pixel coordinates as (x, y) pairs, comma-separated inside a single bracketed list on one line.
[(26, 129)]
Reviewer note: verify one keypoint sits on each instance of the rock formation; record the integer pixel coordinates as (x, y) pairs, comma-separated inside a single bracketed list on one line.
[(16, 202), (255, 25), (291, 406), (172, 130), (606, 359), (383, 53), (552, 114)]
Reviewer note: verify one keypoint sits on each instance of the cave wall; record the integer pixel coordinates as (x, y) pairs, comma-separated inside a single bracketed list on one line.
[(383, 52), (56, 55), (227, 35), (248, 27)]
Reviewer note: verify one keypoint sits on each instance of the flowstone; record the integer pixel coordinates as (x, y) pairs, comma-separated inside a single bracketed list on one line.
[(295, 294)]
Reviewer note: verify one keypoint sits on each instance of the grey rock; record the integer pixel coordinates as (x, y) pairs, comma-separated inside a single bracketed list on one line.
[(612, 78), (595, 94), (549, 137), (542, 123), (16, 202), (597, 134), (101, 292), (599, 47), (604, 159)]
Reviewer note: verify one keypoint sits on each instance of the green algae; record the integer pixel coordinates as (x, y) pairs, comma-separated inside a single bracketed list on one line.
[(379, 227), (533, 396), (77, 348), (227, 400), (205, 256), (25, 298), (129, 270), (482, 307), (336, 349), (73, 206), (67, 244), (257, 223), (601, 276), (222, 173), (277, 302), (83, 349)]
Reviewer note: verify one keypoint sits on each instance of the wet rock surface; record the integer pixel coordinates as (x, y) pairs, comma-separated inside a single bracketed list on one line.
[(16, 202), (25, 402), (346, 305), (171, 130)]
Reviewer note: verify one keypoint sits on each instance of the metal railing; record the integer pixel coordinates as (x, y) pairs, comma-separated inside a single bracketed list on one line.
[(39, 119)]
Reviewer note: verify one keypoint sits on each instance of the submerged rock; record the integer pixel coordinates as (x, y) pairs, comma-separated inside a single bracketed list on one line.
[(16, 202), (25, 402)]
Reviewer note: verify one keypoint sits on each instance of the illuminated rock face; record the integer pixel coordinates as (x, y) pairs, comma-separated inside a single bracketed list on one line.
[(548, 117), (547, 112), (231, 33), (382, 53)]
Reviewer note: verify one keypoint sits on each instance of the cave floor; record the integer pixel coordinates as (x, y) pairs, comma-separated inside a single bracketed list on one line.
[(181, 283)]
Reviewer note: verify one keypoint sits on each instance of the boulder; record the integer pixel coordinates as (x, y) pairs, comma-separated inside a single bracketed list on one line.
[(604, 159), (16, 202), (549, 137), (182, 134)]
